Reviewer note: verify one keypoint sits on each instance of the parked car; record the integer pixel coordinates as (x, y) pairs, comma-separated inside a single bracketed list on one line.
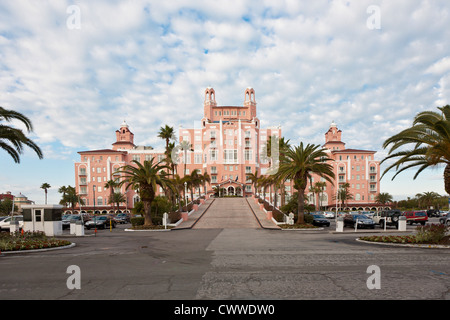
[(123, 218), (69, 217), (361, 220), (416, 217), (101, 222), (368, 214), (390, 217), (445, 220), (433, 213), (444, 213), (329, 214), (320, 220), (5, 224)]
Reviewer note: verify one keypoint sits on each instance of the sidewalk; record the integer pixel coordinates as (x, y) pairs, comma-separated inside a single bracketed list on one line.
[(195, 216), (261, 215)]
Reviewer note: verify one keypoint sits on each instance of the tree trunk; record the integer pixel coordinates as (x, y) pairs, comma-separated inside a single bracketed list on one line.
[(147, 213), (301, 206), (447, 179)]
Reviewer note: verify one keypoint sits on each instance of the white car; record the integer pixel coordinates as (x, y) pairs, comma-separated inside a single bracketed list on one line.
[(329, 214), (6, 223)]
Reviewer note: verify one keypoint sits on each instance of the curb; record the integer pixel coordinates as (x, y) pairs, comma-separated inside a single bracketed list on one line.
[(73, 244), (410, 245)]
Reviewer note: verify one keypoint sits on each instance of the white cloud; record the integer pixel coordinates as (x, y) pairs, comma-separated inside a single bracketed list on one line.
[(149, 61)]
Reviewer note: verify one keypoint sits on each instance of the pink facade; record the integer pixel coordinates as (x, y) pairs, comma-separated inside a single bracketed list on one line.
[(228, 146), (358, 168)]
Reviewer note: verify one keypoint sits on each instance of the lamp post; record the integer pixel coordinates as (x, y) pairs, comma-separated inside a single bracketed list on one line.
[(185, 193), (95, 217)]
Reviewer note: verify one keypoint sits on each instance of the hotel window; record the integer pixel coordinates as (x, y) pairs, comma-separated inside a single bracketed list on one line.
[(230, 156), (136, 157), (248, 155), (197, 158), (117, 158), (248, 169), (214, 179), (357, 197), (212, 134), (85, 158), (99, 201), (99, 189), (248, 188), (82, 170), (161, 157), (83, 190), (213, 169), (148, 157), (213, 155)]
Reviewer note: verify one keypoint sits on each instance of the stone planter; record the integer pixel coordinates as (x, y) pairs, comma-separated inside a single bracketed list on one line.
[(185, 216)]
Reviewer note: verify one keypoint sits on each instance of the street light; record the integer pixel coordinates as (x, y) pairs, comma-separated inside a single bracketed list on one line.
[(185, 193), (95, 217)]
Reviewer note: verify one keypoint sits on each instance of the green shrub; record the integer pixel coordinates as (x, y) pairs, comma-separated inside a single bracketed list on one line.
[(137, 221), (431, 233)]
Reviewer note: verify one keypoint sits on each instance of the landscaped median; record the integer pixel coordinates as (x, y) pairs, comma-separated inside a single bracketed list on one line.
[(27, 241), (434, 235)]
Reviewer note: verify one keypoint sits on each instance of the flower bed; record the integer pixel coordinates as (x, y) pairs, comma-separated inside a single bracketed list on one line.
[(434, 234), (29, 241)]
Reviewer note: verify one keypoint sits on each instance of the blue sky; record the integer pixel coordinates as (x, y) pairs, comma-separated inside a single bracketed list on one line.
[(149, 62)]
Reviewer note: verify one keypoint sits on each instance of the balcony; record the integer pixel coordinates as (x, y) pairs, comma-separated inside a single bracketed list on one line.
[(82, 172)]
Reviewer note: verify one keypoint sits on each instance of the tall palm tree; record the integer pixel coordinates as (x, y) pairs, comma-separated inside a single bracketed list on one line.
[(146, 178), (167, 133), (12, 140), (429, 138), (111, 184), (343, 194), (205, 178), (116, 198), (71, 197), (319, 188), (253, 177), (298, 164), (45, 186)]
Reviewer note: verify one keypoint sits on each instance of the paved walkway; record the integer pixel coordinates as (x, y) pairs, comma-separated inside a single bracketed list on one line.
[(228, 213)]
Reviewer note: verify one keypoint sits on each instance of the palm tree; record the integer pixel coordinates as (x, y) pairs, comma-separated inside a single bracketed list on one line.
[(205, 178), (343, 194), (45, 186), (253, 177), (185, 146), (116, 198), (12, 140), (298, 164), (319, 188), (429, 138), (63, 190), (111, 184), (427, 198), (167, 133), (146, 178), (71, 197), (384, 198)]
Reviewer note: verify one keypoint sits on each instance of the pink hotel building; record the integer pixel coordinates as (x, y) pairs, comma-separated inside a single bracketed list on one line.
[(228, 145)]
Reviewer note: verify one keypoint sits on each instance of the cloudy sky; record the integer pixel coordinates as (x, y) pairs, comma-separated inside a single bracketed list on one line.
[(79, 68)]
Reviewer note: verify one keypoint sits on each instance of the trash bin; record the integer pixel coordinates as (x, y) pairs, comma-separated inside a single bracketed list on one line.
[(14, 226), (73, 223), (340, 224), (402, 223), (79, 229)]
